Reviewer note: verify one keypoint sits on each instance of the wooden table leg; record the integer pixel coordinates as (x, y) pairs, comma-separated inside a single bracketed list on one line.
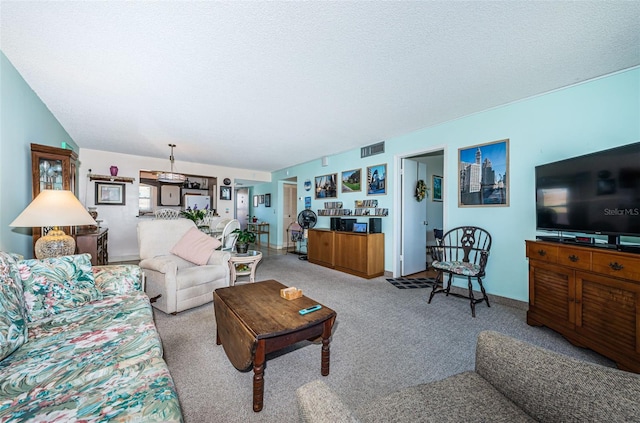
[(258, 376), (326, 354)]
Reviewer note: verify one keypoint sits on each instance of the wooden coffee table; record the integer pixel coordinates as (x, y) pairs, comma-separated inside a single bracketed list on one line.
[(253, 320)]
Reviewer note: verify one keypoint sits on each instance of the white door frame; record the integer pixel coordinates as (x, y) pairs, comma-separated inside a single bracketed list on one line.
[(397, 200)]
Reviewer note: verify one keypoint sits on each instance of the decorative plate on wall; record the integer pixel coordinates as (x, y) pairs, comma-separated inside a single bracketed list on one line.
[(226, 181)]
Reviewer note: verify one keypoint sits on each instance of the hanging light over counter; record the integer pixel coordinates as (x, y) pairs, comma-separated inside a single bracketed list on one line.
[(171, 177)]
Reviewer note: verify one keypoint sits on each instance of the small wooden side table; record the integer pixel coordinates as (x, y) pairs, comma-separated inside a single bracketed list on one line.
[(259, 229), (250, 259), (94, 243)]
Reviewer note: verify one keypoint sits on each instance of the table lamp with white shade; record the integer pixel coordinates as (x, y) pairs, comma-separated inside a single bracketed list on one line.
[(55, 208)]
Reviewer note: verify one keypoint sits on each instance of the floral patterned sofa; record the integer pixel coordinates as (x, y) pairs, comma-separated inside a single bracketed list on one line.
[(78, 343)]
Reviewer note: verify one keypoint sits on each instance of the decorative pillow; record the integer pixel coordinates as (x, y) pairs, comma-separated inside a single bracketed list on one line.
[(13, 319), (54, 285), (195, 246)]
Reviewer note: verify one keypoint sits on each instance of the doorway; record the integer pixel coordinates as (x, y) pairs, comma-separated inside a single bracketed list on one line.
[(242, 206), (417, 219), (289, 210)]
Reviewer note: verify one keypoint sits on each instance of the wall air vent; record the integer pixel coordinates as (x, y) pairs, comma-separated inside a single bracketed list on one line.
[(372, 150)]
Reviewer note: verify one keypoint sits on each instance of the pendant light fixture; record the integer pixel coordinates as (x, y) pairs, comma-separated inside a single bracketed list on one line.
[(171, 177)]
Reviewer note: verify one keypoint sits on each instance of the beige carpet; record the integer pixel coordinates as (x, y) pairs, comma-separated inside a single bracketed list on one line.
[(384, 339)]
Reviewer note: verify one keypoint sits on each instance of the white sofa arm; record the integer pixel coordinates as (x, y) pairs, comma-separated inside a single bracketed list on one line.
[(219, 257), (160, 264), (161, 282)]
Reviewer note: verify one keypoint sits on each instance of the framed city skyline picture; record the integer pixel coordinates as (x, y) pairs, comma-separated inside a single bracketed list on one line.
[(483, 171), (377, 179)]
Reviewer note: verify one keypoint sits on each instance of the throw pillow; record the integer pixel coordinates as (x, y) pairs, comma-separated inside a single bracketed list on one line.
[(57, 284), (13, 319), (195, 246)]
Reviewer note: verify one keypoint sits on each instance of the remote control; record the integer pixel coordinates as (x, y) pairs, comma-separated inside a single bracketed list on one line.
[(310, 309)]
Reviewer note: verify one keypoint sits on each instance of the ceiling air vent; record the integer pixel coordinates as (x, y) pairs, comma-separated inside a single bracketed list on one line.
[(372, 150)]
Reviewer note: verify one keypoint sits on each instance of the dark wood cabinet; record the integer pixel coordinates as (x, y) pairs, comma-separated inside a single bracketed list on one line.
[(94, 243), (355, 253), (589, 295), (52, 168)]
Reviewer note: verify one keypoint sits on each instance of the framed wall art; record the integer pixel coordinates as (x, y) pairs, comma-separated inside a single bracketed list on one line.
[(225, 193), (436, 188), (327, 186), (267, 200), (483, 174), (377, 179), (255, 201), (109, 193), (261, 199), (351, 180)]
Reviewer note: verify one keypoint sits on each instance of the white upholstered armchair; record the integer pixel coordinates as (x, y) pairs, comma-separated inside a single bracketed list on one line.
[(181, 284)]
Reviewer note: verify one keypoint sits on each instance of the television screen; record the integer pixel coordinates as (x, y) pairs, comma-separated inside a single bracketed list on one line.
[(597, 193)]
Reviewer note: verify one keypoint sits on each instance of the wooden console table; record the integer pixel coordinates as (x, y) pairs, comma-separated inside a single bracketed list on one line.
[(259, 229), (590, 295), (359, 254)]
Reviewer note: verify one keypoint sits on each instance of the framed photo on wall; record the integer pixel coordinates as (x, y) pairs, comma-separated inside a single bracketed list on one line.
[(327, 186), (351, 180), (377, 179), (225, 193), (109, 193), (483, 173), (255, 201), (261, 199), (436, 188), (267, 200)]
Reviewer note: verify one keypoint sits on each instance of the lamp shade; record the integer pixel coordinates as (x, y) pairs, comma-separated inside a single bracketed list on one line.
[(54, 208)]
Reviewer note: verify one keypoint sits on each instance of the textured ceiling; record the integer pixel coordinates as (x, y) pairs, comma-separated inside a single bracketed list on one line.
[(267, 85)]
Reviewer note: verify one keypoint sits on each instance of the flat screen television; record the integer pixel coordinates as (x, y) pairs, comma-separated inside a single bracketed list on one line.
[(597, 193)]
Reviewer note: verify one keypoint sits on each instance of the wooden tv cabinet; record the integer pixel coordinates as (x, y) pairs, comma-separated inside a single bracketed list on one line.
[(590, 295), (355, 253)]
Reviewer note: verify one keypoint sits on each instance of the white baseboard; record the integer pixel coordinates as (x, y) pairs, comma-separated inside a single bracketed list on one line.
[(118, 259)]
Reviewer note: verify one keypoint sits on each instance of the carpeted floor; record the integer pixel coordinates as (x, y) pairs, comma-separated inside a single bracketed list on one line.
[(384, 339), (411, 283)]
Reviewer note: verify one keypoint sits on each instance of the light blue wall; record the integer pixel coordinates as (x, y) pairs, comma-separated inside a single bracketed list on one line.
[(24, 119), (588, 117), (592, 116)]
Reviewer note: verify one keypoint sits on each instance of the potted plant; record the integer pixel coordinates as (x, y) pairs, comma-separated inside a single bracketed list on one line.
[(244, 238), (195, 214)]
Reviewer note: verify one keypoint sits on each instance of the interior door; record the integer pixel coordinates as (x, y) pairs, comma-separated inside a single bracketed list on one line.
[(242, 206), (414, 220), (289, 211)]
